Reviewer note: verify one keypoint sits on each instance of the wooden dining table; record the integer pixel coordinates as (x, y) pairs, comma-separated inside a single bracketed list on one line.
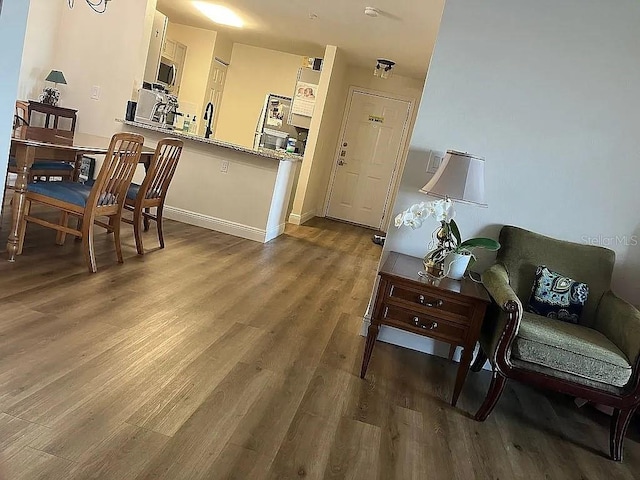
[(27, 151)]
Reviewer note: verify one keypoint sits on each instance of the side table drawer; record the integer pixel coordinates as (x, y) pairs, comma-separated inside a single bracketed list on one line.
[(430, 300), (424, 324)]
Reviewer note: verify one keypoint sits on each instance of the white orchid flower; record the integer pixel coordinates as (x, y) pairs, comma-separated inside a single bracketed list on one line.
[(399, 219), (414, 223), (444, 211), (417, 209), (429, 209), (408, 217)]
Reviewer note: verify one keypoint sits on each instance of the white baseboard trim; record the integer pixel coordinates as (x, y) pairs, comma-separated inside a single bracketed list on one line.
[(217, 224), (412, 341), (301, 219), (274, 232)]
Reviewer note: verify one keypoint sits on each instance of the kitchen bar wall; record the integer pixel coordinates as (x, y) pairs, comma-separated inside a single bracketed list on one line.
[(253, 73)]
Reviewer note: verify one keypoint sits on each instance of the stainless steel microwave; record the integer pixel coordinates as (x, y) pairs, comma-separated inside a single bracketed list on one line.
[(167, 73)]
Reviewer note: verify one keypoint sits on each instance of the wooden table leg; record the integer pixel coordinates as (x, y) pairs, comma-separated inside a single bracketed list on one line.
[(372, 336), (24, 160), (463, 369)]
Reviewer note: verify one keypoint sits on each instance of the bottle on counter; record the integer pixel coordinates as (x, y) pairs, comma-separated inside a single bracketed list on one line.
[(193, 128), (186, 125)]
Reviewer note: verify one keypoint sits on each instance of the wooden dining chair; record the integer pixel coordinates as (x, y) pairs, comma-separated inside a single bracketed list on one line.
[(153, 191), (105, 198)]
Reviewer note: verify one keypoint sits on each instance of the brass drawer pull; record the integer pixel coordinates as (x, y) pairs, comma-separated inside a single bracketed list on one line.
[(423, 301), (431, 326)]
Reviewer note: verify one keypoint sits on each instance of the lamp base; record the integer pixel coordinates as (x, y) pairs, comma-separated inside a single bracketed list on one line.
[(435, 269), (50, 96)]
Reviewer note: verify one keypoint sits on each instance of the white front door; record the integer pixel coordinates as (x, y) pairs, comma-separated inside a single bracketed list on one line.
[(215, 89), (372, 142)]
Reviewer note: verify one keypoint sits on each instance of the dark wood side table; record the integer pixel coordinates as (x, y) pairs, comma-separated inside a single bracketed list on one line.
[(447, 310)]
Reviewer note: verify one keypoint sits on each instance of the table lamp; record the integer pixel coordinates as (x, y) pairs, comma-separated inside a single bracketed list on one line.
[(460, 177), (51, 95)]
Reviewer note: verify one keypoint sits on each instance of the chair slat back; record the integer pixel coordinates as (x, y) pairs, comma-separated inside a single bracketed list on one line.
[(21, 119), (161, 170), (117, 170)]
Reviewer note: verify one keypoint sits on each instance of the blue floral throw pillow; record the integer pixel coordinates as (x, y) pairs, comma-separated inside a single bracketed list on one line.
[(556, 296)]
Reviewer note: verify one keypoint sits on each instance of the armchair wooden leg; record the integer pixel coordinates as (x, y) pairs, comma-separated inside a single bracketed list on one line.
[(481, 359), (619, 423), (493, 395)]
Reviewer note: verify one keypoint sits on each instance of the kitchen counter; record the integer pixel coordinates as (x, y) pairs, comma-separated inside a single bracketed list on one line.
[(263, 152), (225, 187)]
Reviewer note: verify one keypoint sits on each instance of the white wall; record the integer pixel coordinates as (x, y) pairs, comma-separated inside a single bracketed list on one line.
[(548, 92), (253, 73), (396, 84), (323, 137), (13, 24), (105, 50), (40, 47), (200, 44)]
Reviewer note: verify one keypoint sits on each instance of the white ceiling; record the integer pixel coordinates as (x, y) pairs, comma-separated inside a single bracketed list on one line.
[(405, 31)]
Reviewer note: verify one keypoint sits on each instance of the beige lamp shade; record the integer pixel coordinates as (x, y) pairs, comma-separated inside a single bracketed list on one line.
[(459, 177)]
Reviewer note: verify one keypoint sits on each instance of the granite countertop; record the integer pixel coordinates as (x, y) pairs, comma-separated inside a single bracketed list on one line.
[(263, 152)]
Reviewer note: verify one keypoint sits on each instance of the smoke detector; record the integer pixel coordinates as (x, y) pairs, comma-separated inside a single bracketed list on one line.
[(371, 11)]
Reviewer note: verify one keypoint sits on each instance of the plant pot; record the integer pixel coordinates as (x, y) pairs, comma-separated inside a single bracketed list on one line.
[(455, 265)]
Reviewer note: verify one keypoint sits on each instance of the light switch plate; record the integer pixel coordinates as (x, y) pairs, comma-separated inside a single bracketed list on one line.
[(95, 92), (224, 166), (435, 159)]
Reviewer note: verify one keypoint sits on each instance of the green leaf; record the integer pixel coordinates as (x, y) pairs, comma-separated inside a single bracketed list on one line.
[(456, 231), (486, 243)]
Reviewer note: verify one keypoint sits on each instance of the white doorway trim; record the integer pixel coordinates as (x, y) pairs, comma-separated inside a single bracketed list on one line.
[(400, 160)]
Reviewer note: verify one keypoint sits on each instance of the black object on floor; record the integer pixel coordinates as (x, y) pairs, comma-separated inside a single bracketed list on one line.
[(379, 239)]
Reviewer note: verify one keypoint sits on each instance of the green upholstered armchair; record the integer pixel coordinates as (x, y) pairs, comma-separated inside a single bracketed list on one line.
[(597, 359)]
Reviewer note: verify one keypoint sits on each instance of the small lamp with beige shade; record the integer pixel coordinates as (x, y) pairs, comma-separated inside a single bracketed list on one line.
[(459, 178)]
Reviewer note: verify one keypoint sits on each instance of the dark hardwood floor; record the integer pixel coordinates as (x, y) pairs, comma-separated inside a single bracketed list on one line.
[(221, 358)]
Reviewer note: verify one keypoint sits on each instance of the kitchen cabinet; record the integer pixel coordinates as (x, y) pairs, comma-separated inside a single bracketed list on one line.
[(175, 53), (169, 49)]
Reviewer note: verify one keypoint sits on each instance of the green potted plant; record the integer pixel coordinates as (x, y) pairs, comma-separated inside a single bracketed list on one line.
[(448, 254)]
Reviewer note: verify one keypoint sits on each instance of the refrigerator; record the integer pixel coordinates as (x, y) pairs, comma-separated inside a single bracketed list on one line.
[(273, 128)]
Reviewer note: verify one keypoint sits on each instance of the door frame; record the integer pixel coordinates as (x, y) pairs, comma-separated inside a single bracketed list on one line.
[(400, 160)]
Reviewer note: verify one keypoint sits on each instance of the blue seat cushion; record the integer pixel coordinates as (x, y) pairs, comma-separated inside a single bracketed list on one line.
[(44, 165), (70, 192), (132, 193)]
